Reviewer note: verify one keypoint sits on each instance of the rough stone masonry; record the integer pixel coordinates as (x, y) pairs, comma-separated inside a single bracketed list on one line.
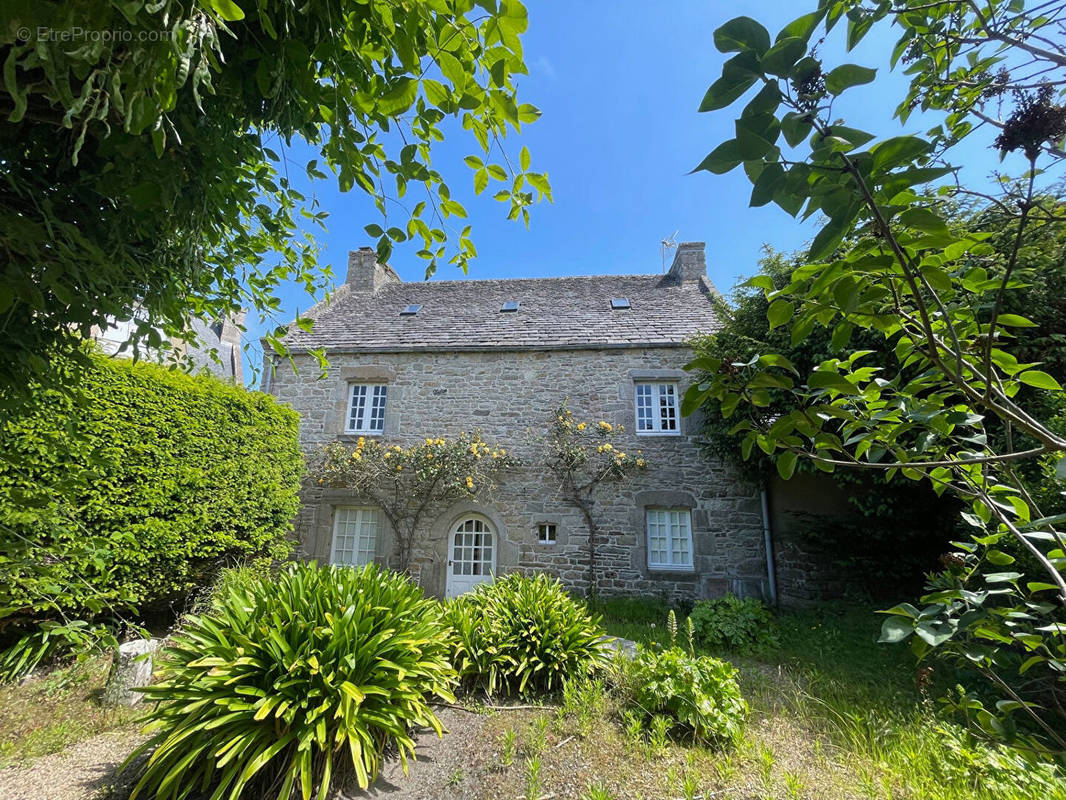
[(459, 363)]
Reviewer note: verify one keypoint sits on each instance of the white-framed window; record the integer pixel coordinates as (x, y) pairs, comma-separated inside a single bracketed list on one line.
[(366, 408), (547, 533), (656, 408), (355, 535), (669, 538)]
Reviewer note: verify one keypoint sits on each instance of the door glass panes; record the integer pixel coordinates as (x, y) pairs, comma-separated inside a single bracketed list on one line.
[(472, 548)]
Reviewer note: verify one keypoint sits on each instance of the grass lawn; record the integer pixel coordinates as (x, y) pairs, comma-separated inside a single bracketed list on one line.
[(52, 711), (847, 713)]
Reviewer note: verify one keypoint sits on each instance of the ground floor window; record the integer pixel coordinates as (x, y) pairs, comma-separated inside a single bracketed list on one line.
[(547, 533), (355, 535), (669, 538)]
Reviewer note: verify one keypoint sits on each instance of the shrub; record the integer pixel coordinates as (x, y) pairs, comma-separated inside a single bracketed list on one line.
[(295, 680), (524, 635), (699, 694), (741, 623), (134, 486)]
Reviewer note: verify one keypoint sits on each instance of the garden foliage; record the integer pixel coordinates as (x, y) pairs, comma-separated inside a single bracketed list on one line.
[(954, 404), (731, 621), (583, 457), (135, 487), (524, 635), (406, 482), (293, 682), (141, 169), (698, 693)]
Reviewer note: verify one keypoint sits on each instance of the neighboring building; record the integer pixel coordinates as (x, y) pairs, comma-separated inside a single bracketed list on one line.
[(217, 349), (412, 360)]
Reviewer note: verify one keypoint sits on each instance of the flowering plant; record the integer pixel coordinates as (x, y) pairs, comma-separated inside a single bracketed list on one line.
[(583, 456), (404, 481)]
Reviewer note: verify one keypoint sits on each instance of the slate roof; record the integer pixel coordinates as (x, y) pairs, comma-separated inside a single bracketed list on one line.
[(554, 313)]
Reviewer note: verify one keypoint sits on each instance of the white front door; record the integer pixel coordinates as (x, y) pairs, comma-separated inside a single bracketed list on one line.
[(471, 556)]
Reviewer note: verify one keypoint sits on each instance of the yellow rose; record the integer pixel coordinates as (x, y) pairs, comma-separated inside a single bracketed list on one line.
[(581, 426)]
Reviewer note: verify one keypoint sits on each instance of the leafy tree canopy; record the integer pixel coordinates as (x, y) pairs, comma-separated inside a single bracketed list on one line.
[(888, 261), (144, 150)]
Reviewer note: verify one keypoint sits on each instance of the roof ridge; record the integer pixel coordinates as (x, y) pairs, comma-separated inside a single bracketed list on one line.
[(503, 280)]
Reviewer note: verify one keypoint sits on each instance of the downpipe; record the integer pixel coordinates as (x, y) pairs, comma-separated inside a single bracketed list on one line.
[(768, 545)]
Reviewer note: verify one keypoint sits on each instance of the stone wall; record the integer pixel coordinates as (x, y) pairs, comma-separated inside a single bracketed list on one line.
[(509, 397)]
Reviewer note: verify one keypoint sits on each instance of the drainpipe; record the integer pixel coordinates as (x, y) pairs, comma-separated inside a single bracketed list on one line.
[(768, 545)]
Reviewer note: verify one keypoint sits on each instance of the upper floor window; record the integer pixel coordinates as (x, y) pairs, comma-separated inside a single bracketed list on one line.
[(656, 407), (669, 538), (355, 536), (366, 408)]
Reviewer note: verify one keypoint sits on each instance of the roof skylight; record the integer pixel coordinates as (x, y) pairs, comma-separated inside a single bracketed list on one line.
[(411, 310), (619, 302), (510, 305)]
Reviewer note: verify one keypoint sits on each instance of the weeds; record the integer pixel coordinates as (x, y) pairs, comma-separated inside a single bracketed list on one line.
[(598, 791), (534, 786), (510, 748)]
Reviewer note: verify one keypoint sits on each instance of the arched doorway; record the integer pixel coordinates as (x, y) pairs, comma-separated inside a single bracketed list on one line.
[(471, 555)]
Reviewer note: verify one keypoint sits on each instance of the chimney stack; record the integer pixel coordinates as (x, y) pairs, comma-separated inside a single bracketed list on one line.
[(690, 262), (365, 274)]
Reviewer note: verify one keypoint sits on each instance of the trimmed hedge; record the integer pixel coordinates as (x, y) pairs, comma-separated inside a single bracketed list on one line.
[(135, 485)]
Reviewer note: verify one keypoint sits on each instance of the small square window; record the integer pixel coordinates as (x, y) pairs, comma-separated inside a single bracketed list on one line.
[(411, 310), (510, 305), (366, 408), (547, 533), (619, 302), (657, 408)]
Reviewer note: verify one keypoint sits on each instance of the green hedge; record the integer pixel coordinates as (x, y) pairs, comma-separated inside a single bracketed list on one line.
[(135, 485)]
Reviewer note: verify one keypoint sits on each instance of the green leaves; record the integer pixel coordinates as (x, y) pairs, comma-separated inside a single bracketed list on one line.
[(136, 129), (824, 379), (743, 34), (722, 159), (226, 9), (523, 635), (780, 58), (738, 75), (847, 75), (207, 470), (344, 660), (786, 464), (779, 313), (698, 694), (1041, 380), (898, 150)]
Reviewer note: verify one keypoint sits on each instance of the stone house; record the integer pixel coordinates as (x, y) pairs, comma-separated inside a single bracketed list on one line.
[(216, 347), (416, 360)]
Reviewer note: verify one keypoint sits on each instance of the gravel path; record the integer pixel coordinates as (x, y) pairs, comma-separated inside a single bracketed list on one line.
[(85, 771)]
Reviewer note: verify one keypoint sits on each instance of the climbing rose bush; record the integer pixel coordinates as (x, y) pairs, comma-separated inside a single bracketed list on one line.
[(404, 481)]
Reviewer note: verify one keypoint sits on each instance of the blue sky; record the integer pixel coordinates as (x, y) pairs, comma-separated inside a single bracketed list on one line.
[(619, 84)]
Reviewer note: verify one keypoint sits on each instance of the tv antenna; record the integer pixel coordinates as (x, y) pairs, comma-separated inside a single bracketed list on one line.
[(669, 243)]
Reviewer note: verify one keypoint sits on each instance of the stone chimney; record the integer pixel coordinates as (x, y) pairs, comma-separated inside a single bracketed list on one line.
[(365, 274), (229, 331), (690, 262)]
